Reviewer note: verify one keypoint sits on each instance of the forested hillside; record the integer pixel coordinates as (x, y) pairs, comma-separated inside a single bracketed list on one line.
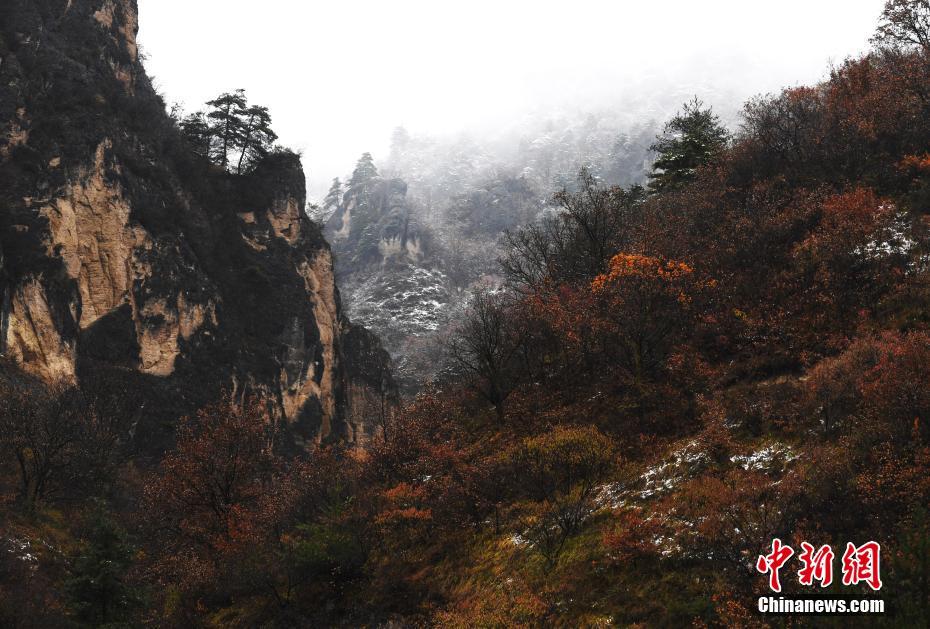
[(661, 380), (453, 200), (673, 377)]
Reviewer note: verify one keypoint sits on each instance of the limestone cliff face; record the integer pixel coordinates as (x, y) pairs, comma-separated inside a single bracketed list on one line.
[(127, 258)]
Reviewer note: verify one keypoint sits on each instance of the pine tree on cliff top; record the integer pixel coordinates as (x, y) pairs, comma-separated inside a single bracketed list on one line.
[(690, 139), (233, 134), (257, 137), (227, 118), (196, 131), (364, 172)]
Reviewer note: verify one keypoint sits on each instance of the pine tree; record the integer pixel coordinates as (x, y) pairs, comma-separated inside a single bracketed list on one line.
[(257, 137), (400, 141), (333, 198), (233, 134), (364, 172), (690, 139), (97, 588), (196, 131), (228, 125)]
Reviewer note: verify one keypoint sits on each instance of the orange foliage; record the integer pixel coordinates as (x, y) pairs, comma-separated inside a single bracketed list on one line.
[(916, 163), (210, 496), (624, 265)]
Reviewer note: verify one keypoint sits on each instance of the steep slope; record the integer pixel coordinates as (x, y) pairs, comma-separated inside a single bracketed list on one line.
[(389, 269), (130, 260)]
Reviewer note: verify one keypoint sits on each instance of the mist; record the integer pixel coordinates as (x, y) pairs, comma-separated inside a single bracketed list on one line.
[(339, 76)]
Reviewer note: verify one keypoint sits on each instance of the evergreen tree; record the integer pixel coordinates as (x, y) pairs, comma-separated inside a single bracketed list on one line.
[(400, 141), (364, 172), (333, 198), (233, 134), (257, 137), (690, 139), (97, 588), (196, 131), (227, 120)]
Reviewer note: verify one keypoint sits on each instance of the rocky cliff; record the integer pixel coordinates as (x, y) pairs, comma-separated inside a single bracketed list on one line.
[(389, 271), (127, 259)]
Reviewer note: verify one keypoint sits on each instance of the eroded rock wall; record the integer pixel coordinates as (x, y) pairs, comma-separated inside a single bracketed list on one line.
[(126, 257)]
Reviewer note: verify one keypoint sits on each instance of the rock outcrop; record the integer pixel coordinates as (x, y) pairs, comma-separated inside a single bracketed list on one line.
[(374, 226), (128, 258), (387, 270)]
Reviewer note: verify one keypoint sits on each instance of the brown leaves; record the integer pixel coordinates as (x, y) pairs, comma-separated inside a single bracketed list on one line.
[(206, 494)]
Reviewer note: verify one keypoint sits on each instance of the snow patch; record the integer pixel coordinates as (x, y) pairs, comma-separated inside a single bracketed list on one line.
[(766, 458)]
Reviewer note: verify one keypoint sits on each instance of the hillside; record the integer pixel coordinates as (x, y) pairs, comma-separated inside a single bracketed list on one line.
[(454, 200), (644, 390)]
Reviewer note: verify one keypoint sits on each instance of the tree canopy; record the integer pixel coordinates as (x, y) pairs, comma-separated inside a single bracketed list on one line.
[(333, 198), (905, 23), (231, 134), (690, 139), (365, 170)]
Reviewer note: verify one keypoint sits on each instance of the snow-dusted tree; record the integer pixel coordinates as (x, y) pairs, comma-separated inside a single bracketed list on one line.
[(364, 172), (333, 199), (400, 141)]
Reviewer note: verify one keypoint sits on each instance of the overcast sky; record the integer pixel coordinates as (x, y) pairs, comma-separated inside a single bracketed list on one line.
[(339, 75)]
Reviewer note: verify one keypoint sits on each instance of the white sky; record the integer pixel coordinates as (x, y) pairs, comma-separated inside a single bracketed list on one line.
[(339, 75)]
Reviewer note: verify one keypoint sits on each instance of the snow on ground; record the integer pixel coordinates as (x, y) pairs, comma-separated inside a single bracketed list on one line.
[(21, 549), (666, 475), (400, 303), (685, 463), (657, 480), (766, 458), (518, 540)]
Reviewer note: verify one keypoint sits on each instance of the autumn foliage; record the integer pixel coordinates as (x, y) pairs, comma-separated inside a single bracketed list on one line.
[(663, 383)]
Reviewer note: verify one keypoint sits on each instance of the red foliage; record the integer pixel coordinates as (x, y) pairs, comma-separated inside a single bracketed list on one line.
[(206, 495), (632, 537)]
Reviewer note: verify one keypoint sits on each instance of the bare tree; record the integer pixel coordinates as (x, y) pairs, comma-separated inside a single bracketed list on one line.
[(487, 344), (57, 439), (905, 23), (577, 244)]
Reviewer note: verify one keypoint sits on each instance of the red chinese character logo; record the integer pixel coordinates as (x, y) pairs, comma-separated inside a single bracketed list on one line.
[(817, 565), (862, 564), (773, 562)]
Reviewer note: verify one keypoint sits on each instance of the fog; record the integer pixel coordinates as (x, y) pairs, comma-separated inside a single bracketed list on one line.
[(339, 76)]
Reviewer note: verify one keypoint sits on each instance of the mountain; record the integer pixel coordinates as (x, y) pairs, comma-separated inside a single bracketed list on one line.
[(128, 259), (411, 242), (662, 408)]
